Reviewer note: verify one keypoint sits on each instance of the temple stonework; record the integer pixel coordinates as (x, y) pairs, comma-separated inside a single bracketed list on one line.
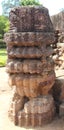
[(30, 65)]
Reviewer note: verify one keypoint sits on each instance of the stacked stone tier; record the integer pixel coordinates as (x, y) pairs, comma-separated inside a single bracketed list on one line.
[(32, 85), (34, 66), (29, 38), (29, 65), (30, 68)]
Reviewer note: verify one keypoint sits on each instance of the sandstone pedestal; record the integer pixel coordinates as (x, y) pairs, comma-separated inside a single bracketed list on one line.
[(30, 65), (35, 112)]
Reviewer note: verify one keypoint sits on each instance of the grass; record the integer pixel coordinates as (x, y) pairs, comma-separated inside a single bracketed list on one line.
[(3, 57)]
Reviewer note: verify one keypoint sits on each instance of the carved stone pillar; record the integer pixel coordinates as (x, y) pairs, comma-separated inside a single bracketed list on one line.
[(30, 65)]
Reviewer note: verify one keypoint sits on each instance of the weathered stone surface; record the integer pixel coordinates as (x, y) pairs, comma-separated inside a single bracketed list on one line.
[(35, 120), (58, 21), (37, 105), (16, 104), (34, 113), (25, 52), (28, 66), (37, 112), (30, 19), (29, 38), (42, 20), (29, 52), (32, 85)]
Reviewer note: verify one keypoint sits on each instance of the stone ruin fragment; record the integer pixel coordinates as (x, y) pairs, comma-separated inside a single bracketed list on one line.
[(58, 54), (58, 58), (30, 65)]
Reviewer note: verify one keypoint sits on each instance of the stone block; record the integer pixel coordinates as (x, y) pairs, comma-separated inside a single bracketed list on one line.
[(34, 18), (37, 112)]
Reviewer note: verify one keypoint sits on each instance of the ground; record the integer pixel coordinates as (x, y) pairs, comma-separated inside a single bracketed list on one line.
[(5, 96)]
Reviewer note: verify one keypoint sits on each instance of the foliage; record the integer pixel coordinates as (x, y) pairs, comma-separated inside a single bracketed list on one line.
[(4, 25), (2, 44), (7, 5), (3, 57), (29, 2)]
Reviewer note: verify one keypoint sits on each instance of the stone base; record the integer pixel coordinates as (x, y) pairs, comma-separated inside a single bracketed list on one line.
[(35, 112), (34, 120)]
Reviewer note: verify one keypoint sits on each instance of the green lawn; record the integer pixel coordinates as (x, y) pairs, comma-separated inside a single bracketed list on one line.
[(3, 57)]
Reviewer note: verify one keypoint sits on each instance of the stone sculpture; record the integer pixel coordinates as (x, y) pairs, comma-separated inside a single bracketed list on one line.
[(30, 65)]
